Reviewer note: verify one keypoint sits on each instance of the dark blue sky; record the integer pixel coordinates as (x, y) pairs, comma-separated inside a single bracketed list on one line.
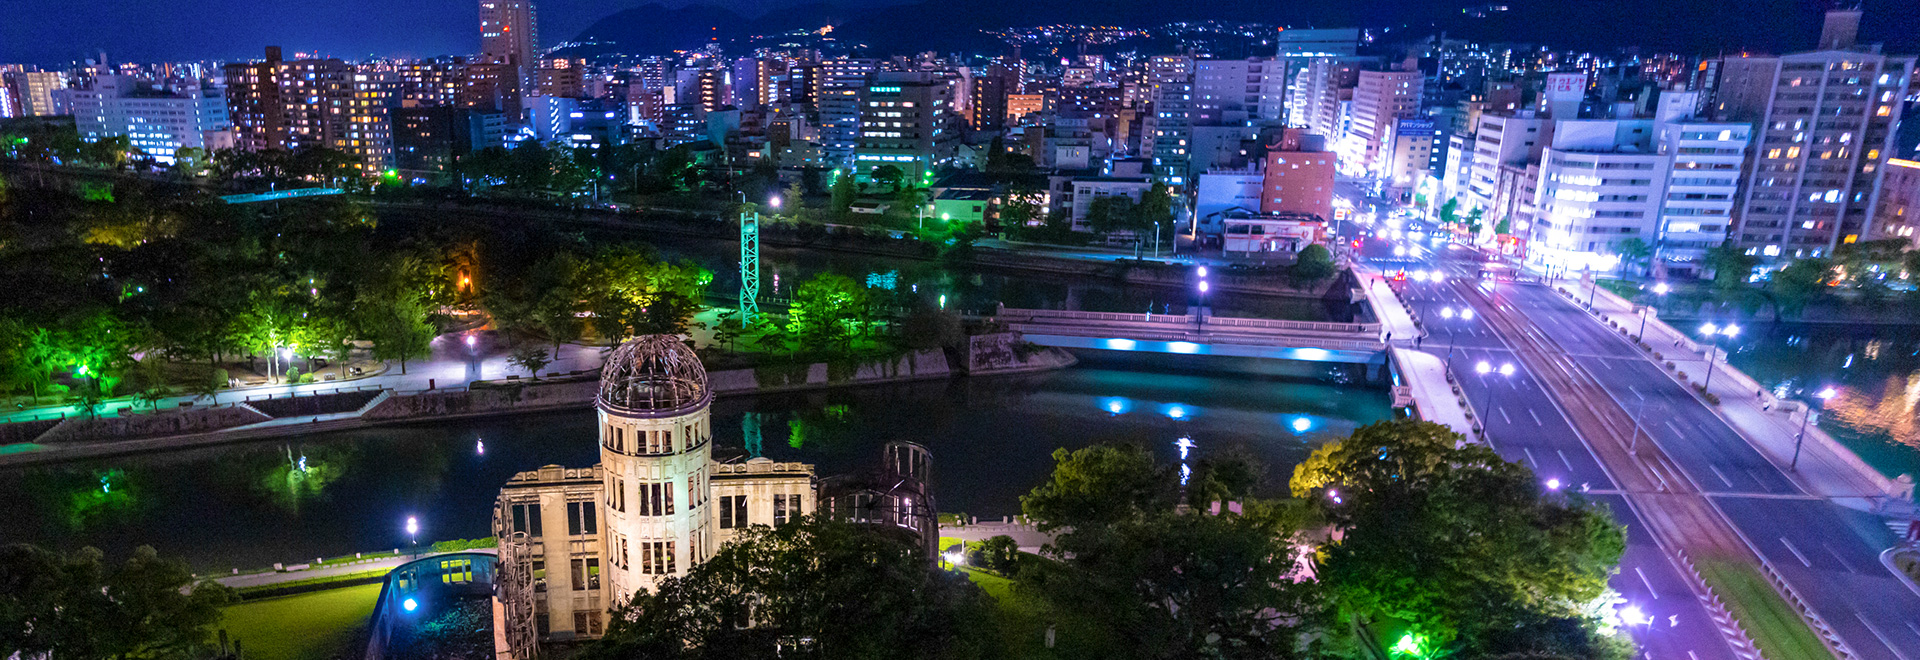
[(55, 31)]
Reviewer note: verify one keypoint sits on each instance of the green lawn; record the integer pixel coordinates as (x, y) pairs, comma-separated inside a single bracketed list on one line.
[(312, 626), (1768, 619)]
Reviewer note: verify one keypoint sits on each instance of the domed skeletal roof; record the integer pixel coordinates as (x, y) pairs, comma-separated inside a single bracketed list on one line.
[(653, 376)]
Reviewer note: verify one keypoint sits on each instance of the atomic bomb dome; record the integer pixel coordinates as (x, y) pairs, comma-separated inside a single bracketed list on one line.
[(653, 376)]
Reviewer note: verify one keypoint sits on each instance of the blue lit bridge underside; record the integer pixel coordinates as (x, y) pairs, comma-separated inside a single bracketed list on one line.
[(1307, 354)]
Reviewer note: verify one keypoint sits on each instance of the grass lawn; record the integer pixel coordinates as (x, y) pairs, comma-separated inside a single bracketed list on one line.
[(1768, 619), (312, 626)]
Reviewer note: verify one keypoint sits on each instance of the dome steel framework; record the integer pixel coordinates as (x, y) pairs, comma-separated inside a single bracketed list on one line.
[(653, 376)]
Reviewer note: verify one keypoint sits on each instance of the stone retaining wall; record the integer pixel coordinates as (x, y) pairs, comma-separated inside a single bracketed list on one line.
[(199, 420)]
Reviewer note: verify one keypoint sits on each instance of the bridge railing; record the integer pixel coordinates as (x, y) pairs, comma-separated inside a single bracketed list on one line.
[(1009, 313)]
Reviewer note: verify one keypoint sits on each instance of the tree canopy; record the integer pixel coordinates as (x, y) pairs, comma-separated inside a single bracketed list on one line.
[(77, 606)]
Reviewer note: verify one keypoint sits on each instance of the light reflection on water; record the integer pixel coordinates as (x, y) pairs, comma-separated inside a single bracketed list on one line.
[(1875, 372), (252, 505)]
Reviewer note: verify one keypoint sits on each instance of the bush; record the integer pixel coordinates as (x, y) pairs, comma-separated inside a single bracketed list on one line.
[(293, 374), (1669, 362), (999, 554), (306, 378), (458, 545)]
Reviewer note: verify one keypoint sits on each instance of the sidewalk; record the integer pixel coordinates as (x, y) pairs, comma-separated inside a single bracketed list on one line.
[(381, 561), (1425, 376), (1394, 317), (1826, 468)]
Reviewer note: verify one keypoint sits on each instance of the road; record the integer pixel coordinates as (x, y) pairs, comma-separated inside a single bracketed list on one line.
[(1667, 454)]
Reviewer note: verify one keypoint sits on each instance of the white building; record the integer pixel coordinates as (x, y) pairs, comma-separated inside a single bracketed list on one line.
[(1703, 184), (1247, 92), (1600, 183), (157, 121), (1379, 98), (1223, 189)]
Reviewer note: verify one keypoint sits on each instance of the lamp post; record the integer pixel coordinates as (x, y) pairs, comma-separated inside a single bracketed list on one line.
[(1824, 395), (1156, 239), (1658, 290), (413, 533), (1484, 368), (1447, 315), (1713, 334)]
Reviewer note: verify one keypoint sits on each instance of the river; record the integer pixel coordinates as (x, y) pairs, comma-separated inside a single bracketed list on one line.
[(1875, 374), (254, 504)]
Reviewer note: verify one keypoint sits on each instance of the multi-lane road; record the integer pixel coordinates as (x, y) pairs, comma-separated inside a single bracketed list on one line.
[(1605, 418)]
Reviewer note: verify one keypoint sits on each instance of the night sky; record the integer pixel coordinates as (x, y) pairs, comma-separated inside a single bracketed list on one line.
[(54, 32)]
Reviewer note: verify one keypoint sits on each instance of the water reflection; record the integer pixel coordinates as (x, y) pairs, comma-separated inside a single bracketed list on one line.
[(251, 505), (1875, 372)]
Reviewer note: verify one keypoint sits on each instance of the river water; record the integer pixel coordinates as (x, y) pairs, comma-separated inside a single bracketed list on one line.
[(254, 504), (1874, 371)]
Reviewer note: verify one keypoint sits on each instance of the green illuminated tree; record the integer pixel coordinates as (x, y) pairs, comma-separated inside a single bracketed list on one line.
[(1446, 541), (531, 358), (1314, 263), (845, 192), (830, 312), (812, 588), (1450, 211)]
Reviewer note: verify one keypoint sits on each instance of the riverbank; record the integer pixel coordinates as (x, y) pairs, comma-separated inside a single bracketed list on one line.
[(986, 355)]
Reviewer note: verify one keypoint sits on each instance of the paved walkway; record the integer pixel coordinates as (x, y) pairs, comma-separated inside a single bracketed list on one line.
[(1433, 396), (1771, 425), (1028, 538)]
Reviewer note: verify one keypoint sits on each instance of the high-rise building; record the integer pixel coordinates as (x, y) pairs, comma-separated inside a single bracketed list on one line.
[(510, 33), (492, 84), (1250, 92), (1899, 212), (31, 93), (427, 142), (1165, 135), (989, 103), (1826, 127), (843, 86), (1379, 98), (156, 120), (907, 121), (1407, 156), (1316, 92), (430, 83), (561, 77), (290, 105)]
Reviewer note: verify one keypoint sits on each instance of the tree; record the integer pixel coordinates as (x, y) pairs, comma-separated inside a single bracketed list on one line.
[(1633, 252), (1314, 263), (531, 358), (1450, 211), (73, 606), (845, 193), (890, 175), (1473, 221), (830, 311), (1156, 582), (1800, 282), (1505, 226), (1444, 542), (1112, 213), (931, 327), (1731, 266), (399, 330), (1000, 554), (813, 588)]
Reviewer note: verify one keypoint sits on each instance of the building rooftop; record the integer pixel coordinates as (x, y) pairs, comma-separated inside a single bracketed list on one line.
[(653, 376)]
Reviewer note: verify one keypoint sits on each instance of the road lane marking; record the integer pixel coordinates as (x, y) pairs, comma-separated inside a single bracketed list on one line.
[(1536, 464), (1795, 551), (1564, 461), (1678, 434), (1503, 415), (1536, 417), (1649, 583), (1837, 557), (1876, 633), (1716, 472)]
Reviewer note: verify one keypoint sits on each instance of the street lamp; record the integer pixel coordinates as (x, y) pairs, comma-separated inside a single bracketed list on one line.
[(413, 533), (1658, 290), (1447, 315), (1713, 334), (774, 202), (1200, 314), (1484, 368), (1824, 396)]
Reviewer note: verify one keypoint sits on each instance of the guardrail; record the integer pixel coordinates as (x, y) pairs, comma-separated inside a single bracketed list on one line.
[(1188, 319)]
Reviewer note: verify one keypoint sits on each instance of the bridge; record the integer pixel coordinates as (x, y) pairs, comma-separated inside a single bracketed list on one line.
[(1198, 333)]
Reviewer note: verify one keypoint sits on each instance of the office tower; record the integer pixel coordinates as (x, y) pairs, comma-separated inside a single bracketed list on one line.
[(1170, 77), (428, 142), (907, 121), (1826, 121), (492, 84), (1704, 160), (990, 91), (32, 92), (156, 120), (712, 89), (561, 77), (1316, 92), (1249, 92), (842, 87), (509, 32), (1407, 156), (1379, 98), (1298, 177)]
